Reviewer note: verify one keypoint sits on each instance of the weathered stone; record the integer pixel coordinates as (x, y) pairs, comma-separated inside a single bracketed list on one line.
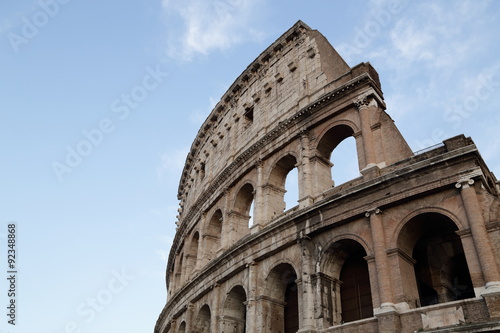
[(411, 244)]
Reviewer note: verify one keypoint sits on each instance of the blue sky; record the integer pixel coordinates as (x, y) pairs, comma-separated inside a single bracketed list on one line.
[(100, 101)]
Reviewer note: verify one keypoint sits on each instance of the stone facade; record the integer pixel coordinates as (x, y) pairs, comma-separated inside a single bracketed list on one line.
[(412, 244)]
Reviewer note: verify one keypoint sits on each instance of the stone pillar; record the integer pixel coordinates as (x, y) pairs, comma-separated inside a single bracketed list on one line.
[(321, 175), (381, 261), (173, 326), (252, 288), (387, 316), (215, 309), (203, 255), (190, 265), (226, 240), (270, 319), (305, 287), (365, 107), (190, 318), (327, 301), (259, 203), (473, 264), (273, 197), (480, 235), (305, 174), (405, 289)]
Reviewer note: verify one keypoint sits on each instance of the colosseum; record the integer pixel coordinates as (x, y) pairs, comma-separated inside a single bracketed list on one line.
[(412, 244)]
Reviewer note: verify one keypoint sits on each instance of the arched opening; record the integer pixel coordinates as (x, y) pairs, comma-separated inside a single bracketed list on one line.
[(251, 210), (213, 235), (192, 256), (281, 181), (182, 327), (178, 273), (343, 162), (355, 292), (346, 283), (440, 268), (234, 311), (240, 217), (292, 189), (283, 302), (203, 321)]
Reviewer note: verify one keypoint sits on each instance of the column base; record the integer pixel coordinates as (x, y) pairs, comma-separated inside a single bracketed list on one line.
[(388, 320), (370, 171), (492, 299)]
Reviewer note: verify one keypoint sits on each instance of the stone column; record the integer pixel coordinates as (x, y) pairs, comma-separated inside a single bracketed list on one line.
[(202, 242), (274, 204), (189, 318), (327, 303), (305, 287), (226, 240), (215, 309), (252, 293), (173, 326), (258, 216), (471, 256), (365, 107), (480, 235), (381, 261), (305, 174)]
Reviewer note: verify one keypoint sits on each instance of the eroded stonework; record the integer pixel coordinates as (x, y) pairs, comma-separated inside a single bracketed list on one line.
[(412, 244)]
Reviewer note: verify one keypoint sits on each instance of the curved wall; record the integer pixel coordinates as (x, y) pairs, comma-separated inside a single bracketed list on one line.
[(242, 261)]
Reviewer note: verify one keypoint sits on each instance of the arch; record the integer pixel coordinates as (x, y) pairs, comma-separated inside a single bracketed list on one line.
[(182, 327), (203, 320), (167, 328), (275, 189), (397, 231), (331, 137), (240, 216), (213, 234), (280, 165), (441, 273), (345, 161), (234, 311), (243, 199), (180, 267), (346, 281), (192, 254), (283, 305), (343, 237), (328, 141)]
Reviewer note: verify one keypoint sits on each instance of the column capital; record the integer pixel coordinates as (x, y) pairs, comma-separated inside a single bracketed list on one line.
[(365, 101), (464, 183), (251, 263), (361, 102), (374, 211)]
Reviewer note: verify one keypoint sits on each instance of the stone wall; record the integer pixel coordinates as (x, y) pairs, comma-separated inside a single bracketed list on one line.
[(411, 244)]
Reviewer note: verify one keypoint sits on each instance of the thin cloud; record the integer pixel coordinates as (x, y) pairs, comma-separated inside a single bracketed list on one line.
[(172, 163), (210, 25)]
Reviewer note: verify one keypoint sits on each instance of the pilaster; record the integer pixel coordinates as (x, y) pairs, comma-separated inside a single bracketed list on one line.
[(381, 261), (480, 235)]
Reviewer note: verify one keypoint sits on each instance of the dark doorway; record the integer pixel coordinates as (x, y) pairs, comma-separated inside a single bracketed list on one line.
[(291, 308), (355, 292)]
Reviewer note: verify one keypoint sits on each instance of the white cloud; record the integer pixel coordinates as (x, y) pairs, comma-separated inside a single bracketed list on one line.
[(411, 42), (211, 25)]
